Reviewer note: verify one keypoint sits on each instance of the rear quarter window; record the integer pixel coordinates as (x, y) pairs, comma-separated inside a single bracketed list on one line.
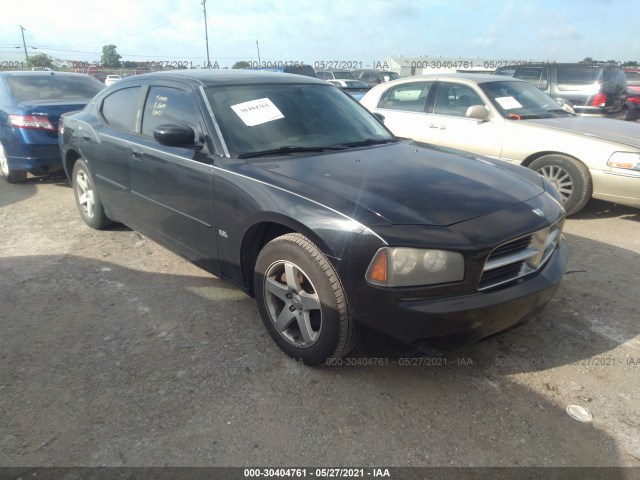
[(120, 109), (574, 78)]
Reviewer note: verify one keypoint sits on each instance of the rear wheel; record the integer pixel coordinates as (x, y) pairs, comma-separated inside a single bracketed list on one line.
[(570, 177), (301, 300), (87, 199), (11, 176)]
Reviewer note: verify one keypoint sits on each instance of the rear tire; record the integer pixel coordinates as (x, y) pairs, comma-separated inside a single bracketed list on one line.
[(570, 177), (11, 176), (301, 301), (87, 198)]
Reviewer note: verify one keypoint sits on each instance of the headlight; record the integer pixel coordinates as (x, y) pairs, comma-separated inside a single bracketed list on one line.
[(626, 160), (404, 267)]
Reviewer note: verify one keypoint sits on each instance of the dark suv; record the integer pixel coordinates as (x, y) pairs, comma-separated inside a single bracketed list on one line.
[(373, 77), (593, 89)]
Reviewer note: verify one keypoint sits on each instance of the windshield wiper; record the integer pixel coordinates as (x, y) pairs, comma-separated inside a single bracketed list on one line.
[(287, 149), (562, 110), (369, 141)]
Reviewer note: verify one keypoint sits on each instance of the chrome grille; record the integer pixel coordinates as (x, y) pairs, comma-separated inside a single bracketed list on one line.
[(519, 257)]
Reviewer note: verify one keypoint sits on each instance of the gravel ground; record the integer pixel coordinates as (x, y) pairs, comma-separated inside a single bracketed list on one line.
[(115, 352)]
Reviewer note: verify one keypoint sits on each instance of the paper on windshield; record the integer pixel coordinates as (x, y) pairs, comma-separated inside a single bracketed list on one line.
[(257, 112), (508, 103)]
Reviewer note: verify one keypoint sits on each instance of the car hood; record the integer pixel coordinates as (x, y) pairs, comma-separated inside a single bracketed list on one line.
[(619, 131), (407, 183)]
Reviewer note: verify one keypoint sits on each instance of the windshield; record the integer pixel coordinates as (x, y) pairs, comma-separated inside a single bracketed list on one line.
[(521, 100), (257, 118), (344, 75), (25, 88), (356, 84), (391, 75)]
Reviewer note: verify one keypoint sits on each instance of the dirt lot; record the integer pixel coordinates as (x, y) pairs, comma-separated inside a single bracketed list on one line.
[(116, 352)]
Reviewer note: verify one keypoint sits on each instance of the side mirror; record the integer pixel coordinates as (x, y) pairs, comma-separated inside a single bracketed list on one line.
[(380, 117), (479, 112), (174, 135), (386, 78)]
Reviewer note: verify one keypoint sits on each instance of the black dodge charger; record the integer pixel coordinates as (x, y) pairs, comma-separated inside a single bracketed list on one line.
[(287, 187)]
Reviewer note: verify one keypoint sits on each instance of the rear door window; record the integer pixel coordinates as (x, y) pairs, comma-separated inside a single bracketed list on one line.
[(536, 76), (573, 78), (410, 97), (120, 109)]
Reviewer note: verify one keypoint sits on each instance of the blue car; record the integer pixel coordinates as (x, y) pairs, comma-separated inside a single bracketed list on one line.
[(30, 107)]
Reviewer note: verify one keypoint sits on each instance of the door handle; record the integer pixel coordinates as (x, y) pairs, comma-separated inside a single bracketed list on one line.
[(136, 155), (441, 127), (433, 125)]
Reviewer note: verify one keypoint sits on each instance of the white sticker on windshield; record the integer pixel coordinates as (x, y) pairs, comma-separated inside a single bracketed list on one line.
[(508, 103), (257, 112)]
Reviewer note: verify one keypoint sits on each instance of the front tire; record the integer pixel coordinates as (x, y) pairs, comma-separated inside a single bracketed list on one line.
[(570, 177), (87, 199), (11, 176), (301, 300)]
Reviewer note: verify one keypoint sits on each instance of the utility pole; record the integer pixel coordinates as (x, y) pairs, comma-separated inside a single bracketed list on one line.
[(258, 47), (206, 32), (22, 29)]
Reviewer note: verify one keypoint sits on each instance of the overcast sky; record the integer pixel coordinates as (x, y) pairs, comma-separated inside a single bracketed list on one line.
[(311, 30)]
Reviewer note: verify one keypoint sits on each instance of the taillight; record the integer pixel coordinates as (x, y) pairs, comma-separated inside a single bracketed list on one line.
[(600, 100), (633, 99), (37, 122)]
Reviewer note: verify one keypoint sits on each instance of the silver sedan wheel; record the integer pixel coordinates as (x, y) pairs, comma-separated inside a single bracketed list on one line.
[(85, 193), (560, 178), (4, 163), (293, 304)]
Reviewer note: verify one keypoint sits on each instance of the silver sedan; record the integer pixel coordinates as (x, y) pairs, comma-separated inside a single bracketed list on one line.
[(511, 120)]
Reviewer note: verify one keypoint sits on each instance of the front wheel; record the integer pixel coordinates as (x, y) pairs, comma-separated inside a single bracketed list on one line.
[(87, 199), (11, 176), (301, 300), (570, 177)]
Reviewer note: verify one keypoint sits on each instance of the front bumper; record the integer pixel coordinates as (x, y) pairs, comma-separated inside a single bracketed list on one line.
[(465, 318)]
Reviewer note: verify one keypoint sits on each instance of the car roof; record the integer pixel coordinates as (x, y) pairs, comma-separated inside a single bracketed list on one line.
[(208, 77), (38, 73), (566, 64), (471, 77)]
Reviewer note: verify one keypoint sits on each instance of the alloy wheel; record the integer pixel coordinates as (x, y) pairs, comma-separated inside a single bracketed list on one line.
[(293, 304), (560, 178), (85, 193)]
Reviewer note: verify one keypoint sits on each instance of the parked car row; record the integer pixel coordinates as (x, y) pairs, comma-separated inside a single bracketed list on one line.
[(297, 194)]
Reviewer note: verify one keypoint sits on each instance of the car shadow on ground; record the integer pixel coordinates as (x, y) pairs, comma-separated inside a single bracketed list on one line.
[(17, 192), (116, 366), (597, 209)]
